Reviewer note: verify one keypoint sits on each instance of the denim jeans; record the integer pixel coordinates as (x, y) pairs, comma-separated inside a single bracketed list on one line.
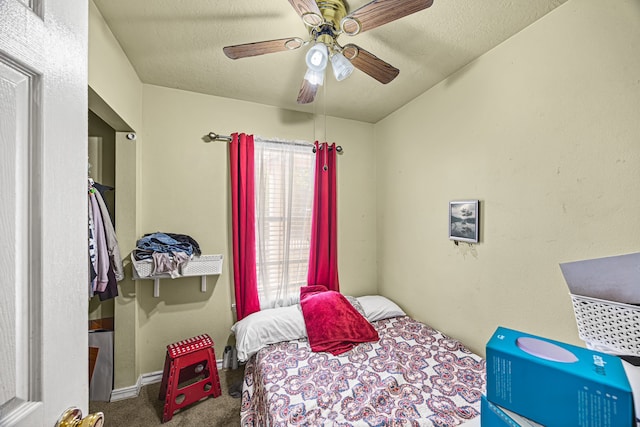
[(160, 242)]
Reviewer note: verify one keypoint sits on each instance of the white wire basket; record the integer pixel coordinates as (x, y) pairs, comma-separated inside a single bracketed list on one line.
[(203, 265), (612, 324), (141, 269)]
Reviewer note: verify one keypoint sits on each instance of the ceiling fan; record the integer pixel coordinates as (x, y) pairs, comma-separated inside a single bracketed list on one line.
[(326, 20)]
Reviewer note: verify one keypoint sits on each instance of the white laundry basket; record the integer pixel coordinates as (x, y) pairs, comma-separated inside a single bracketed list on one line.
[(203, 265), (141, 268), (612, 324)]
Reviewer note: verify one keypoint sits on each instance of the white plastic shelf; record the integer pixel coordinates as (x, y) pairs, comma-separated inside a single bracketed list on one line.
[(203, 266)]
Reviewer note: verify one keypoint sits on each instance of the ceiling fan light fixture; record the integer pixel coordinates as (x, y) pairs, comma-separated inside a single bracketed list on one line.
[(342, 67), (314, 77), (317, 57)]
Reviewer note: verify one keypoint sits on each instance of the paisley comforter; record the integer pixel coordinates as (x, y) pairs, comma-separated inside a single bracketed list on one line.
[(413, 376)]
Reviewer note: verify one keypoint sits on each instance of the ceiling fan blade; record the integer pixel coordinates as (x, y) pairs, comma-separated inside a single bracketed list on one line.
[(370, 64), (379, 12), (308, 11), (307, 92), (261, 48)]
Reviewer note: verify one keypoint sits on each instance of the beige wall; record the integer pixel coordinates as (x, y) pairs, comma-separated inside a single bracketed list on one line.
[(184, 189), (544, 130), (111, 75)]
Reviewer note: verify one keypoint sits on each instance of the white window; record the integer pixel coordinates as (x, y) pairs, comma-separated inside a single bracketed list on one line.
[(284, 178)]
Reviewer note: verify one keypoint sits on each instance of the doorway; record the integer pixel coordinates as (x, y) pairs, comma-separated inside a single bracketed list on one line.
[(101, 168), (115, 154)]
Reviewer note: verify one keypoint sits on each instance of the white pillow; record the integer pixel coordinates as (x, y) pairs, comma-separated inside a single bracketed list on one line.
[(356, 304), (377, 307), (266, 327)]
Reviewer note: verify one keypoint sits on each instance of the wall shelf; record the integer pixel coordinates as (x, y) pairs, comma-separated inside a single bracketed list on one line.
[(203, 266)]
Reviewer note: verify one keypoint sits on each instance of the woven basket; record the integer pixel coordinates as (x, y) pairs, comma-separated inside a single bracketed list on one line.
[(203, 265), (142, 268), (609, 323)]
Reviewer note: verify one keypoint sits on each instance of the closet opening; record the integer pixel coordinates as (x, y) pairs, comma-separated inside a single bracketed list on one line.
[(112, 162), (101, 184), (102, 170)]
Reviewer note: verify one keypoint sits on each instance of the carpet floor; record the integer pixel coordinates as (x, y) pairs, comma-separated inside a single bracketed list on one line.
[(146, 409)]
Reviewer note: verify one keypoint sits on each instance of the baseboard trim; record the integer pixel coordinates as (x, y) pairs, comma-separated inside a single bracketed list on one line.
[(133, 391)]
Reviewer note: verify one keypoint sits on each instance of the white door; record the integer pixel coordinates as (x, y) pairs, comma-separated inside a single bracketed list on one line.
[(43, 210)]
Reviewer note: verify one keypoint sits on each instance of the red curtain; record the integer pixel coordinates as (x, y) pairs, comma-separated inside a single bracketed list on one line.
[(244, 231), (323, 257)]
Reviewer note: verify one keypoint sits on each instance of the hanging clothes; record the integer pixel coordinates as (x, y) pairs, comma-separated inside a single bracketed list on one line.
[(105, 262), (102, 190), (102, 254), (93, 260), (112, 242)]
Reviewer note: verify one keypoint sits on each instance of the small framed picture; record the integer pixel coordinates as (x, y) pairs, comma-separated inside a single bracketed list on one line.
[(463, 220)]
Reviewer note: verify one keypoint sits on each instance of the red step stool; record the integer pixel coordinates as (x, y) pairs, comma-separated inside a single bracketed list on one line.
[(190, 374)]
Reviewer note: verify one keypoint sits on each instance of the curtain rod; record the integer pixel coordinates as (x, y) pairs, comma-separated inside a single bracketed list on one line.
[(215, 137)]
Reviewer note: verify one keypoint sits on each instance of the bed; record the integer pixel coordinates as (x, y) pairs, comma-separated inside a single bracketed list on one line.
[(412, 375)]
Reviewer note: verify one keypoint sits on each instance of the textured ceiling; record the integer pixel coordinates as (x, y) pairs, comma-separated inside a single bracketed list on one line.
[(178, 44)]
